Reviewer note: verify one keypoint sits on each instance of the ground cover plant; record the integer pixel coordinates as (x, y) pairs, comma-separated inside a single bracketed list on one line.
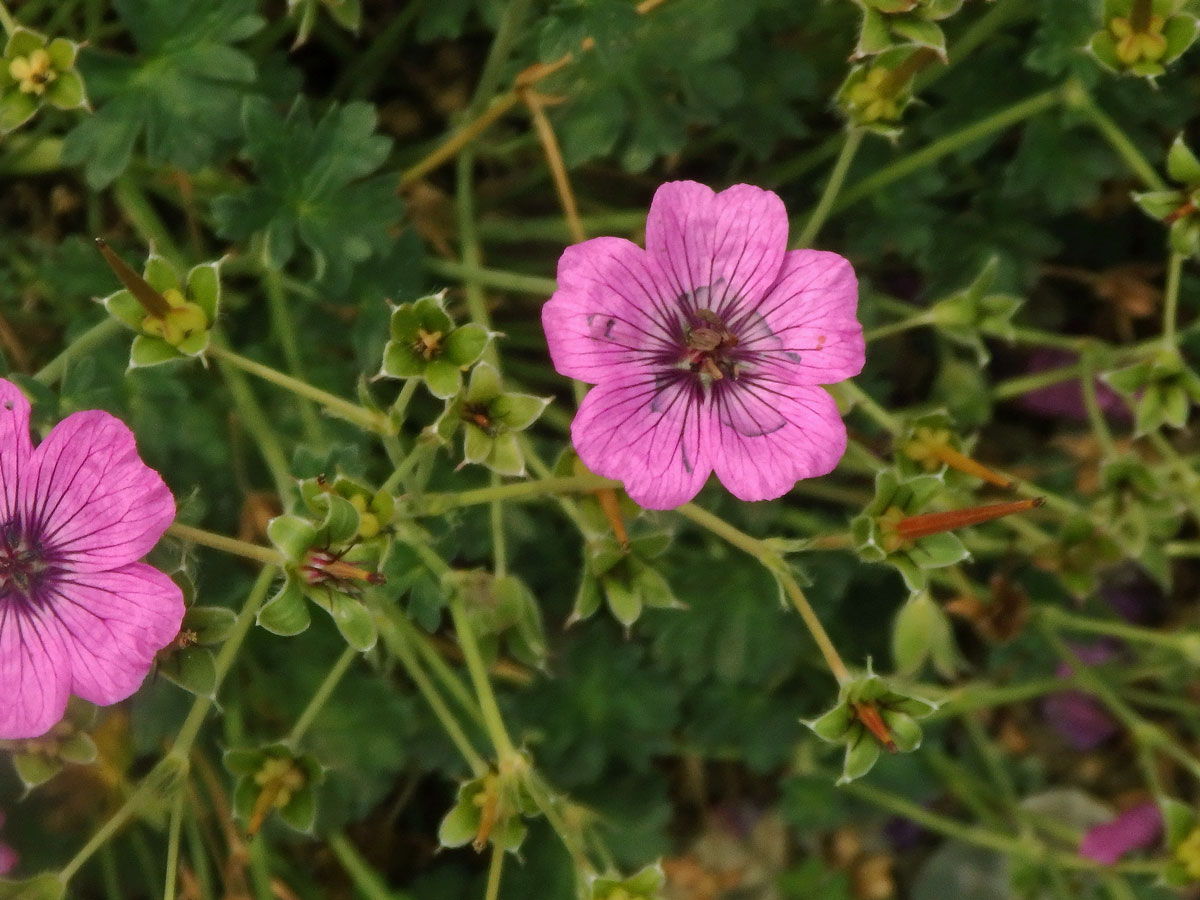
[(588, 449)]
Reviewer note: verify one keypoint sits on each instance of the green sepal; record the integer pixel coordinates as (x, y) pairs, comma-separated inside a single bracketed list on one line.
[(922, 632), (211, 624), (35, 769), (518, 411), (22, 42), (645, 884), (587, 599), (623, 601), (484, 387), (66, 91), (352, 618), (1182, 164), (125, 309), (464, 345), (401, 361), (505, 457), (192, 668), (443, 378), (1184, 235), (204, 288), (921, 33), (285, 614), (147, 351), (292, 536)]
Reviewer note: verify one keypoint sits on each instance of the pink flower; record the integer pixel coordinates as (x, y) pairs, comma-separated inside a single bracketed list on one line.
[(8, 856), (1139, 826), (707, 348), (78, 613)]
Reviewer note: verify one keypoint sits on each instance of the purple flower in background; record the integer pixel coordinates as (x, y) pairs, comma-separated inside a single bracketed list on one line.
[(1079, 717), (1064, 400), (1133, 595), (8, 856), (1139, 826), (707, 348), (78, 613)]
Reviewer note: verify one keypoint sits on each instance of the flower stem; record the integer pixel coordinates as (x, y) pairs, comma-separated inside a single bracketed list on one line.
[(1087, 383), (333, 404), (398, 642), (777, 567), (267, 555), (1022, 848), (224, 662), (1059, 618), (281, 320), (321, 696), (365, 878), (435, 504), (837, 177), (7, 22), (493, 278), (1024, 384), (173, 846), (852, 394), (1077, 97), (924, 317), (495, 867), (950, 143), (1171, 298), (54, 370), (492, 720)]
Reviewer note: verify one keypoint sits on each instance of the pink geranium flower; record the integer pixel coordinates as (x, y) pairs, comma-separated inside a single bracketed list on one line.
[(78, 614), (707, 348), (1137, 827)]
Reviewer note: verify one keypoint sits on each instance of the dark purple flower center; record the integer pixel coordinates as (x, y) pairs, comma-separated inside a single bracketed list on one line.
[(23, 563)]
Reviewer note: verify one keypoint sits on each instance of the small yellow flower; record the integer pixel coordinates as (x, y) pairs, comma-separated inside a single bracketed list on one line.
[(1134, 46), (927, 446), (33, 72), (869, 97), (1188, 853)]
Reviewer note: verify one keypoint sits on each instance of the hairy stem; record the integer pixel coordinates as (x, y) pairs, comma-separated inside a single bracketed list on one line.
[(837, 177), (267, 555)]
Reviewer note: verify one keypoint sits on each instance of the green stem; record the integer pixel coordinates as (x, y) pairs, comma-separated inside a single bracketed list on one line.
[(551, 229), (1171, 298), (98, 334), (138, 209), (281, 321), (1024, 384), (172, 878), (925, 317), (7, 22), (856, 396), (365, 878), (779, 568), (441, 669), (255, 422), (344, 409), (1087, 383), (403, 399), (223, 663), (321, 696), (1061, 619), (400, 644), (837, 177), (1078, 98), (506, 37), (265, 555), (1023, 848), (495, 867), (492, 278), (436, 504), (492, 719), (951, 143)]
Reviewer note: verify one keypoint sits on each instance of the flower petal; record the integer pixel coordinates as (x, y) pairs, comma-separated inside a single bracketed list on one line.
[(732, 243), (652, 435), (1139, 826), (770, 436), (90, 499), (806, 328), (15, 446), (113, 623), (613, 310), (35, 669)]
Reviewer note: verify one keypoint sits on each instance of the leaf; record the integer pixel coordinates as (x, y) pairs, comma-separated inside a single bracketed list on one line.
[(312, 183), (179, 95)]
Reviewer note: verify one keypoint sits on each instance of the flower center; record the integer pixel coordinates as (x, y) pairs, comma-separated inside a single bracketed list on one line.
[(708, 341), (33, 72), (21, 562)]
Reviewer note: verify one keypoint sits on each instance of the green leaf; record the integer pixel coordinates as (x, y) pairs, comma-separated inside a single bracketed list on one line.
[(286, 613), (179, 94), (312, 182)]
